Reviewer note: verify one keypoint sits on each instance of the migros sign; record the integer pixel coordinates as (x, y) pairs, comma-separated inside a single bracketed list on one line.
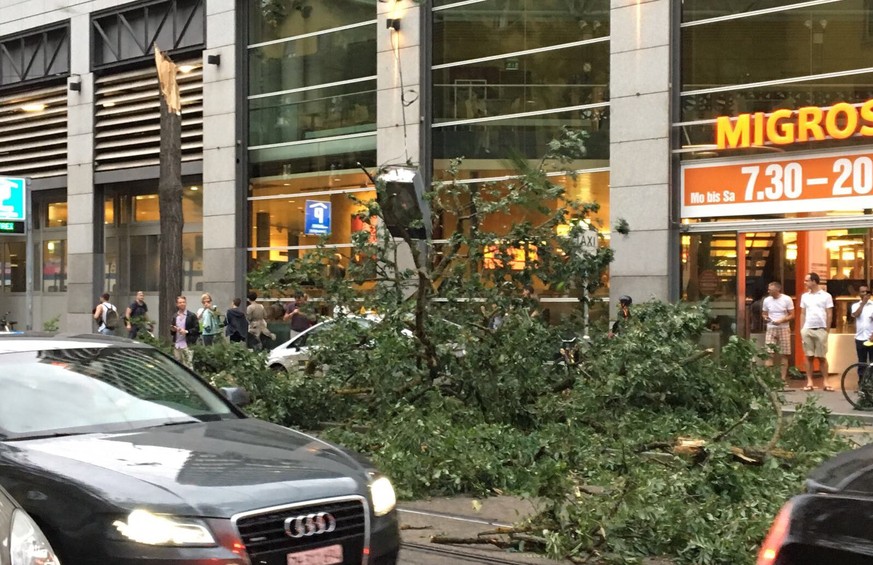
[(783, 127)]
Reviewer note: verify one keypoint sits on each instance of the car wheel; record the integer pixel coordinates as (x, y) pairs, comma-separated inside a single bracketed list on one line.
[(278, 368)]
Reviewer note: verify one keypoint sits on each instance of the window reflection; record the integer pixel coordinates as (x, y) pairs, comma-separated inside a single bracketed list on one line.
[(794, 43), (270, 20), (694, 10), (495, 27), (14, 266), (56, 215), (309, 61), (313, 114), (552, 79), (146, 207), (54, 266), (524, 136)]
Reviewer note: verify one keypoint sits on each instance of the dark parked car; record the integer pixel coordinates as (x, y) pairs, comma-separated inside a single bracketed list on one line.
[(21, 540), (123, 456), (832, 522)]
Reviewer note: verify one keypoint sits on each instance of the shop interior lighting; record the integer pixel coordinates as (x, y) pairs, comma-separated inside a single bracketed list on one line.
[(33, 107), (185, 69)]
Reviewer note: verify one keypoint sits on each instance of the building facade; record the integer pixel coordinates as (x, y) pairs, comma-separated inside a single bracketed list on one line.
[(285, 101)]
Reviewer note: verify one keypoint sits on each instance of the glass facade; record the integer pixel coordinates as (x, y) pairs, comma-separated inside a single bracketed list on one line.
[(507, 76), (781, 55), (131, 228), (312, 119)]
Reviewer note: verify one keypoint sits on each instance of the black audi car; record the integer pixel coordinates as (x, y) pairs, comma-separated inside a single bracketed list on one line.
[(832, 522), (122, 456)]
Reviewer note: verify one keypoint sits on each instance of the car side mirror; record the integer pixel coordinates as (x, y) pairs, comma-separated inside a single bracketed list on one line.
[(237, 395)]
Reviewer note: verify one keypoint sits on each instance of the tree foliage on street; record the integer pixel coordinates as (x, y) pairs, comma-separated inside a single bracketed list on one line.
[(649, 446)]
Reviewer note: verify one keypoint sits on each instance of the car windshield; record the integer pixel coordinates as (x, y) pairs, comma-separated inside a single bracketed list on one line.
[(69, 391)]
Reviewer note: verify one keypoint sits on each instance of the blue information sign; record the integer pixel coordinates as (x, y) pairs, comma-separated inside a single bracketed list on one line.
[(317, 218), (13, 199)]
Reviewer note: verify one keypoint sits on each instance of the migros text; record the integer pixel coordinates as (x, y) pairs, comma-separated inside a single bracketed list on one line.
[(783, 127)]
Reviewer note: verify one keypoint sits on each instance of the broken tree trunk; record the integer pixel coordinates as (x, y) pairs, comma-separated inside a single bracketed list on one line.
[(169, 193)]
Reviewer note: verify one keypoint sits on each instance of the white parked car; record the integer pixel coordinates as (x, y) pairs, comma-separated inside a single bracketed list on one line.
[(294, 354)]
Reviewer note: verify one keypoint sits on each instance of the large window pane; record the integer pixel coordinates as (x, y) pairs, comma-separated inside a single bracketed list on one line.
[(317, 157), (324, 112), (275, 19), (540, 81), (145, 262), (822, 39), (54, 266), (495, 27), (525, 136), (332, 57), (56, 216), (693, 10), (146, 207), (280, 223), (709, 270), (821, 93), (14, 266)]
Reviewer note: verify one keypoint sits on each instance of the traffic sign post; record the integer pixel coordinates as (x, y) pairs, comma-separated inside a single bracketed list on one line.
[(588, 240), (16, 220)]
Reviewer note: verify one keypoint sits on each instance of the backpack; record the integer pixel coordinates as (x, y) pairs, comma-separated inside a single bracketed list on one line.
[(110, 317)]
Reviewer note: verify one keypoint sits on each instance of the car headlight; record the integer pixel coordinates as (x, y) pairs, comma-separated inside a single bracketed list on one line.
[(382, 493), (27, 544), (144, 527)]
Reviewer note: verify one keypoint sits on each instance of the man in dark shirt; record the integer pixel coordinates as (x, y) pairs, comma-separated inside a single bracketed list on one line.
[(136, 318)]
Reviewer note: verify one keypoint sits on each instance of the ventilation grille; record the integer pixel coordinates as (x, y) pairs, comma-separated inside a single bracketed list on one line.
[(127, 123), (33, 133)]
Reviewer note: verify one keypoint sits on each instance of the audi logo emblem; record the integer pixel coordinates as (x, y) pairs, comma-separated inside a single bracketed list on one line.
[(309, 525)]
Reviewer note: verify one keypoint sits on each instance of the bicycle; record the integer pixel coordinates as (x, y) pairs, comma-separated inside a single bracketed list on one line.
[(861, 398), (6, 325)]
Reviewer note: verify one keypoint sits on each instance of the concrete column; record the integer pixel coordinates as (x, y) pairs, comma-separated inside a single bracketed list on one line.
[(221, 202), (398, 60), (640, 183), (84, 251)]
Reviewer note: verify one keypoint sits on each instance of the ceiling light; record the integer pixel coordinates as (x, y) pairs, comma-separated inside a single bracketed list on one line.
[(184, 69), (108, 104), (33, 107), (195, 188)]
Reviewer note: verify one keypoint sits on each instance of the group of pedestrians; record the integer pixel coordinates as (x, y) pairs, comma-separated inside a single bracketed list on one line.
[(816, 317)]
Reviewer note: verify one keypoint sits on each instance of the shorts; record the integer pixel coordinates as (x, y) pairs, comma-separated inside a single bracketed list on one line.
[(815, 342), (780, 336)]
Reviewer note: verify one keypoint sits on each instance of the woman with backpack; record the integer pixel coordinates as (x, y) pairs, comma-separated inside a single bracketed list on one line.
[(210, 325)]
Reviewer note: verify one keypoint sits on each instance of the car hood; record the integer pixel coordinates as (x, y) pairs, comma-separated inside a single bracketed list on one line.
[(213, 469), (850, 471)]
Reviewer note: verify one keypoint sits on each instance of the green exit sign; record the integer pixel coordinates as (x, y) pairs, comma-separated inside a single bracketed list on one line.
[(11, 227)]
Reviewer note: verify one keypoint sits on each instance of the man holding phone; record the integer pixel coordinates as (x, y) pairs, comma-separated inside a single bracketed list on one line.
[(862, 312), (185, 330)]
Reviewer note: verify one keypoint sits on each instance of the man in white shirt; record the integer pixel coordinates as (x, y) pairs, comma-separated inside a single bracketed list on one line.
[(862, 311), (816, 314), (778, 311)]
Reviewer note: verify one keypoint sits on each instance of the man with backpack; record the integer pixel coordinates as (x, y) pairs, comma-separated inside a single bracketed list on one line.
[(106, 316)]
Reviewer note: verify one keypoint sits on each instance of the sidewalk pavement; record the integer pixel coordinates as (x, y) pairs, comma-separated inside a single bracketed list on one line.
[(832, 400)]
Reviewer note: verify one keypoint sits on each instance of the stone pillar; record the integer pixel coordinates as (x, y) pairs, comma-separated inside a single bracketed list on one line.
[(84, 226), (223, 264), (639, 160), (398, 106), (399, 93)]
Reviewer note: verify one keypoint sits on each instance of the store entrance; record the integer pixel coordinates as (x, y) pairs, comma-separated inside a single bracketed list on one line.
[(733, 270)]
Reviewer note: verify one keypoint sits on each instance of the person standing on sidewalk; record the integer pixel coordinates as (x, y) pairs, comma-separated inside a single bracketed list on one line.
[(237, 325), (816, 315), (208, 317), (862, 312), (185, 330), (778, 311), (137, 316)]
